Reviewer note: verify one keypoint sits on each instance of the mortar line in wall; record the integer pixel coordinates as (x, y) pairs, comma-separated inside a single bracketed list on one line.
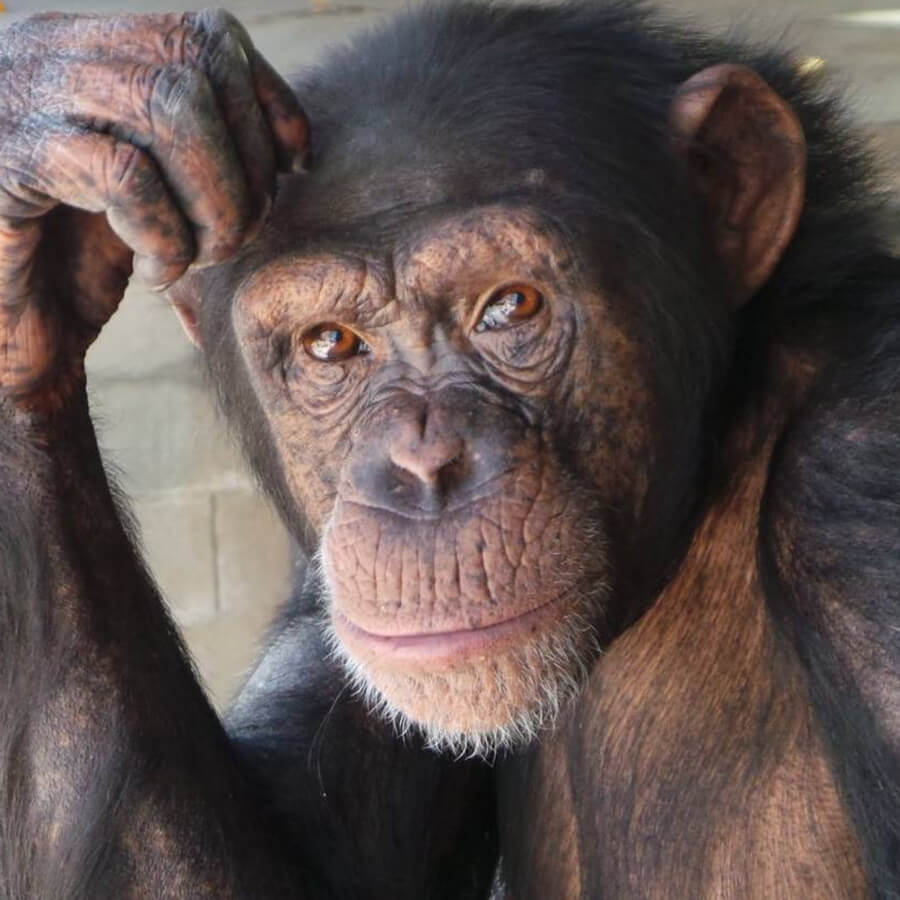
[(214, 540), (165, 494)]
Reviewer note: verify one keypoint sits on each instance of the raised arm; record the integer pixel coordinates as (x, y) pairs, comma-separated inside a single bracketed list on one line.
[(116, 779)]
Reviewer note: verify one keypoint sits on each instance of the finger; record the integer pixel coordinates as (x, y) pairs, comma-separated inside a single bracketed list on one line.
[(214, 42), (181, 40), (226, 64), (96, 172), (195, 43), (142, 212), (287, 121), (172, 113), (290, 128)]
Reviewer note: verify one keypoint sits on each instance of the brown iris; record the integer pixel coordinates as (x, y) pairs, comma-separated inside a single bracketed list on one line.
[(330, 342), (509, 306)]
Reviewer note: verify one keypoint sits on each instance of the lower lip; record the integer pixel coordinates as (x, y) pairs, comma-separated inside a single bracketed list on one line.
[(442, 644)]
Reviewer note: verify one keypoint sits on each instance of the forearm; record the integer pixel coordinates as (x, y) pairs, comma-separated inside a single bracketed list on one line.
[(117, 779)]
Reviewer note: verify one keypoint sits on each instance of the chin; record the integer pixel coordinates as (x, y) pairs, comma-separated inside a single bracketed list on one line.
[(475, 691)]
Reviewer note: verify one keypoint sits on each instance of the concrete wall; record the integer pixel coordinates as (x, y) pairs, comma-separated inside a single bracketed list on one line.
[(219, 555)]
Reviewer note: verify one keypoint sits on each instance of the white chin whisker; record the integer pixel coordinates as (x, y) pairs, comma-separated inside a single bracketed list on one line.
[(484, 708)]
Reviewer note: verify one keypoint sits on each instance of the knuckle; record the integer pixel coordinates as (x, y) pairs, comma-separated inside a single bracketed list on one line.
[(210, 35), (177, 41), (38, 28), (128, 172), (178, 88), (142, 81), (215, 19), (227, 53)]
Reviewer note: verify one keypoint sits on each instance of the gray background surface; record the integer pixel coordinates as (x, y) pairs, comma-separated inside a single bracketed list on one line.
[(220, 557)]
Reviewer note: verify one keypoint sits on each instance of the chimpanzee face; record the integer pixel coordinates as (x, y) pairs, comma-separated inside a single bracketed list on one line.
[(473, 356), (426, 404)]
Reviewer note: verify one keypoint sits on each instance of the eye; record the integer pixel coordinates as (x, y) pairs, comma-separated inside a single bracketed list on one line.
[(330, 342), (509, 306)]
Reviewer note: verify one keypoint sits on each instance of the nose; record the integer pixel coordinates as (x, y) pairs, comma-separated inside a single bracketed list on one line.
[(428, 448), (425, 454)]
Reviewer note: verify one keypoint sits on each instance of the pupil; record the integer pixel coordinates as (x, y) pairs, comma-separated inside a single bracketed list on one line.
[(325, 342), (504, 307)]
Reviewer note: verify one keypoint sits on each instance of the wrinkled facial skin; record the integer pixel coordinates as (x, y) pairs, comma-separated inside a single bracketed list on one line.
[(464, 556)]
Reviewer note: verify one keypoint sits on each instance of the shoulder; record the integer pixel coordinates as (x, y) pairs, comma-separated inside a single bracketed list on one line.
[(830, 564), (834, 489)]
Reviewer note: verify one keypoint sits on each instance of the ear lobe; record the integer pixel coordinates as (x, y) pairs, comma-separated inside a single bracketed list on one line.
[(747, 154)]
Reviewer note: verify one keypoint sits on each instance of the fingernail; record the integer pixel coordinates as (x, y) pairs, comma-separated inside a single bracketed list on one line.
[(200, 265), (158, 274), (300, 163)]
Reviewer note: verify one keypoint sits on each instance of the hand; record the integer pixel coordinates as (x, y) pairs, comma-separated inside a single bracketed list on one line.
[(173, 126)]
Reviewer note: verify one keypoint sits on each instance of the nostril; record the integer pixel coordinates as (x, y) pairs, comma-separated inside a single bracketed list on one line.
[(451, 474), (430, 463)]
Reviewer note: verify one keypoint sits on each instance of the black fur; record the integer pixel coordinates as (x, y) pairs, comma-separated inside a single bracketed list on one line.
[(838, 594)]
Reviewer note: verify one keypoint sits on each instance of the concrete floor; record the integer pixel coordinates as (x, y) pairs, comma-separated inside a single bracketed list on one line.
[(221, 558)]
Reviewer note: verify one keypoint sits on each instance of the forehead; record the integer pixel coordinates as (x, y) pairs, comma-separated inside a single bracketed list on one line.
[(496, 237), (416, 257)]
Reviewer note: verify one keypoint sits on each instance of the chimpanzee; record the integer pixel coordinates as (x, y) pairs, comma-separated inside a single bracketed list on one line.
[(569, 349)]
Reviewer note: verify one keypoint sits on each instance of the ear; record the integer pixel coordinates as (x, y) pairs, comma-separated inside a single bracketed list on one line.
[(747, 154), (186, 306)]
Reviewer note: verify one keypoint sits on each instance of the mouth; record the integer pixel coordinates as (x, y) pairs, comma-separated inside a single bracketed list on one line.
[(444, 646)]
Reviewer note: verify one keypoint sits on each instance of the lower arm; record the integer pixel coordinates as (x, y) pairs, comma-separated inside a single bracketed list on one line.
[(116, 778)]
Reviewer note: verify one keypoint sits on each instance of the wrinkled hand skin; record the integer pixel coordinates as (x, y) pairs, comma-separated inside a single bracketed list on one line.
[(144, 143)]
